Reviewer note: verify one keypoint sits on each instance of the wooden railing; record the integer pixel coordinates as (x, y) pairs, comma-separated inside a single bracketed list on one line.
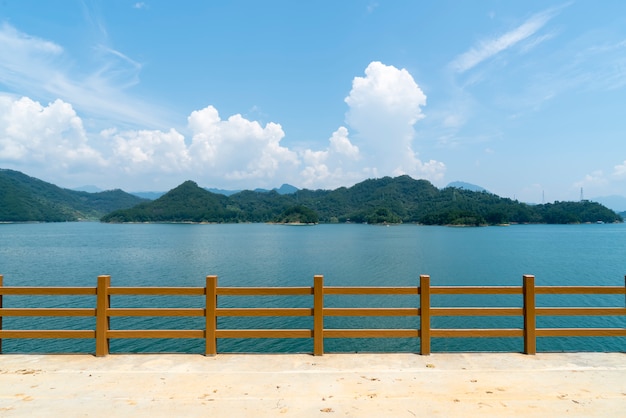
[(211, 311)]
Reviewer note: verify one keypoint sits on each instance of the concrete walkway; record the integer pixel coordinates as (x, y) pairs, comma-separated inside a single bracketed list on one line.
[(300, 385)]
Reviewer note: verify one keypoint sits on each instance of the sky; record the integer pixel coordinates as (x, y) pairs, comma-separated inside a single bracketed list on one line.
[(524, 98)]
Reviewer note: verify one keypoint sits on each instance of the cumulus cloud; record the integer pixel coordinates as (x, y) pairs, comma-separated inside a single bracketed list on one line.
[(238, 148), (234, 152), (388, 89), (51, 137), (340, 144), (333, 167), (384, 107), (148, 150)]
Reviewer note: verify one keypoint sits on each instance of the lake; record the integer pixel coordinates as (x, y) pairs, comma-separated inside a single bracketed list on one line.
[(74, 254)]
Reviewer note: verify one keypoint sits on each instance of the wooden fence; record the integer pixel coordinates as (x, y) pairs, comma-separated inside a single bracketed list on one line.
[(103, 311)]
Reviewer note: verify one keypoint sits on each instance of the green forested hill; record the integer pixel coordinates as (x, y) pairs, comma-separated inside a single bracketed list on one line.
[(185, 203), (27, 199), (385, 200)]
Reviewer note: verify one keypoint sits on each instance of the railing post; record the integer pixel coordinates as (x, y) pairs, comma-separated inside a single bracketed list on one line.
[(1, 278), (318, 315), (210, 314), (424, 314), (530, 316), (102, 315)]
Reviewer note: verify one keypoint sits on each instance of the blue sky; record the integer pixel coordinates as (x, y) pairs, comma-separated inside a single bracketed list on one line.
[(524, 98)]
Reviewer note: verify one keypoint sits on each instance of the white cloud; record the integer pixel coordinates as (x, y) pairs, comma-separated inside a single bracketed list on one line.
[(597, 183), (51, 137), (431, 169), (619, 170), (42, 69), (490, 47), (595, 179), (48, 142), (237, 148), (333, 167), (387, 89), (384, 107), (52, 141), (341, 145), (16, 43), (230, 153), (536, 41), (148, 151)]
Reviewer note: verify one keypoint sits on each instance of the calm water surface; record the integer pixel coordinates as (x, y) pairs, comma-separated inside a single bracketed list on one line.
[(74, 254)]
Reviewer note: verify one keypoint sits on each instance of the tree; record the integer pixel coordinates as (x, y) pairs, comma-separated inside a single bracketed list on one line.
[(298, 214)]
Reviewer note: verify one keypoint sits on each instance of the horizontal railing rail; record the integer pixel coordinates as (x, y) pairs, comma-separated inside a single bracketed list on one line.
[(103, 312)]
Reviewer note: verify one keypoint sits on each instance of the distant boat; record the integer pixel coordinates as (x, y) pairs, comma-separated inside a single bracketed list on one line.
[(600, 222)]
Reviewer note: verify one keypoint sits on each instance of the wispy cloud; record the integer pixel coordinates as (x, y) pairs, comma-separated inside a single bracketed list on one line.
[(491, 47), (43, 70), (12, 39), (372, 6)]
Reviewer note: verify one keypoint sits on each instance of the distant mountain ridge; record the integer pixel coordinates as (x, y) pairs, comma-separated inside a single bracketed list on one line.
[(88, 188), (27, 199), (467, 186), (385, 200), (284, 189), (148, 195)]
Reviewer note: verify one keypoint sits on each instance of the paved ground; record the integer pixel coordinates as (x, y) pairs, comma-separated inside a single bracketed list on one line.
[(334, 385)]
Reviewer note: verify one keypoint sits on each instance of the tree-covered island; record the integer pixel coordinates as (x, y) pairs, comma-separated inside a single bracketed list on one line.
[(376, 201)]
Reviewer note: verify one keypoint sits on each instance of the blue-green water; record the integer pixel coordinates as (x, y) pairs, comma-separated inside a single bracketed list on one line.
[(74, 254)]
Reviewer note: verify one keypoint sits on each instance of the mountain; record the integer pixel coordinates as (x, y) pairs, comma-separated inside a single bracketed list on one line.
[(384, 200), (88, 188), (284, 189), (185, 203), (148, 195), (466, 186), (27, 199), (221, 191)]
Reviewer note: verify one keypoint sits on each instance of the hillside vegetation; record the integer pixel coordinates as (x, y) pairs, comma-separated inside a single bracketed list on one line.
[(375, 201), (27, 199)]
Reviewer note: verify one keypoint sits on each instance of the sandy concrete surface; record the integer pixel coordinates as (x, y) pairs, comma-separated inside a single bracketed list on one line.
[(300, 385)]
